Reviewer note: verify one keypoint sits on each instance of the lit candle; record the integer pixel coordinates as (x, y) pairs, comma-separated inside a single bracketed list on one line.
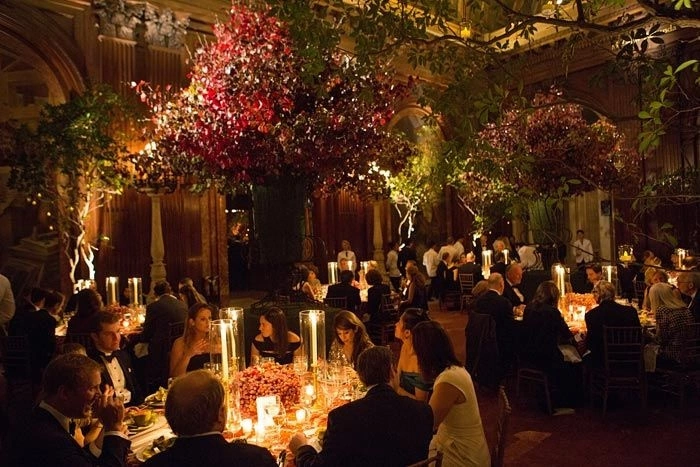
[(309, 390), (224, 350), (314, 344), (301, 415), (559, 270), (332, 272), (505, 255), (608, 272), (247, 426), (260, 431), (486, 263), (112, 285), (681, 254)]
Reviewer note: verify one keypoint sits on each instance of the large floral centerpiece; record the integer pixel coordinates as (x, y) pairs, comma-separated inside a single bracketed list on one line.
[(255, 111), (267, 379)]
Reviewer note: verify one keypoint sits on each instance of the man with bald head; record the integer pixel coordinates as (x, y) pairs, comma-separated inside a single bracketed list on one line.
[(689, 284), (196, 411), (511, 290), (493, 303)]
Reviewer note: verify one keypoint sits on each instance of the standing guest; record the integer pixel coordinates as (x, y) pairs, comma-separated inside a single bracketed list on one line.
[(20, 322), (160, 314), (409, 381), (191, 351), (493, 303), (672, 320), (544, 330), (688, 284), (375, 293), (71, 390), (196, 411), (481, 244), (583, 250), (7, 304), (87, 302), (351, 337), (415, 295), (407, 253), (431, 259), (459, 247), (511, 290), (115, 363), (380, 429), (607, 313), (42, 333), (460, 434), (275, 340), (448, 247), (188, 282), (392, 266), (345, 289), (347, 254), (594, 273), (439, 283)]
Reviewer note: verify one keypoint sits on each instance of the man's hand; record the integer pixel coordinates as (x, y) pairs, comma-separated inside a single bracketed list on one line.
[(297, 441), (110, 410)]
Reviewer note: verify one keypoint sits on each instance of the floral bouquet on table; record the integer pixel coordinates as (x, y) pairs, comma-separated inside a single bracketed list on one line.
[(267, 379), (120, 310), (581, 299)]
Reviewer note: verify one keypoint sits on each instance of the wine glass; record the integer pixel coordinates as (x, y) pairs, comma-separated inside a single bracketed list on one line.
[(299, 364)]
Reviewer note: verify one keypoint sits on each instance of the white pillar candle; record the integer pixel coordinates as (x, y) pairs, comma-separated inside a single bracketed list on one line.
[(314, 343), (505, 255), (247, 426), (224, 351), (112, 287), (301, 415), (561, 284)]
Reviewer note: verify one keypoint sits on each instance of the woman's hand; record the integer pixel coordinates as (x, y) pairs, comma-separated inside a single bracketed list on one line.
[(198, 347)]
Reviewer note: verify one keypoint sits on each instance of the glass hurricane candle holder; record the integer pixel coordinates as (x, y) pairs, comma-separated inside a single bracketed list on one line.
[(681, 254), (486, 261), (610, 274), (560, 276), (135, 291), (625, 253), (226, 345), (332, 272), (112, 290), (312, 326)]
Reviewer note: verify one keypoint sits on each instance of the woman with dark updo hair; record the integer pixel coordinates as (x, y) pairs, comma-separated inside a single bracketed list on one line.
[(275, 340)]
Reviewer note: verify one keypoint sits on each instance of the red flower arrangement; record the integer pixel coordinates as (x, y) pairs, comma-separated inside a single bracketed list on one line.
[(266, 380)]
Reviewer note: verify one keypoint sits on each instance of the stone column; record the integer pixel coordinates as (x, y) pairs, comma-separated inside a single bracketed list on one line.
[(157, 246)]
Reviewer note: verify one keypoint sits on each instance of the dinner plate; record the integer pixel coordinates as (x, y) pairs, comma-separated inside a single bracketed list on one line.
[(137, 429), (144, 454)]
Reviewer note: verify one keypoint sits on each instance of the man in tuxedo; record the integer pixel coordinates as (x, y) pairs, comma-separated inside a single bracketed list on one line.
[(71, 390), (407, 253), (493, 303), (688, 284), (345, 289), (115, 364), (198, 422), (381, 429), (594, 273), (511, 291), (607, 313), (160, 314), (42, 332)]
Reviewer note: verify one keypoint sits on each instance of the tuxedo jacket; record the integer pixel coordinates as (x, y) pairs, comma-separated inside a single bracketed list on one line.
[(374, 301), (510, 295), (160, 315), (129, 379), (607, 313), (382, 429), (352, 294), (211, 451), (42, 338), (42, 441), (501, 310)]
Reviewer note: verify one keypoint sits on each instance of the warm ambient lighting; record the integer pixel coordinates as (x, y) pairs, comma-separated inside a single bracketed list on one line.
[(465, 30)]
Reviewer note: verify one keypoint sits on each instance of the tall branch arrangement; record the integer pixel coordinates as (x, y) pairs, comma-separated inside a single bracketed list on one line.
[(252, 112), (72, 163)]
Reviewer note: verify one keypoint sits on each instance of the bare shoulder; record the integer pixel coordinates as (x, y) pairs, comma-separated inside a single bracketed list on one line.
[(292, 337), (259, 338)]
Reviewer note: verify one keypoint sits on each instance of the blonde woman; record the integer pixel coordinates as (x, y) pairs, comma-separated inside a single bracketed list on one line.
[(672, 320)]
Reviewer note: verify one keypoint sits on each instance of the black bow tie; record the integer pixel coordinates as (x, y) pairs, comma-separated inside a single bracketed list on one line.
[(109, 357)]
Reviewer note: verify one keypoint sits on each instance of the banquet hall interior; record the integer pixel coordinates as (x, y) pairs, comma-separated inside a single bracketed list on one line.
[(245, 154)]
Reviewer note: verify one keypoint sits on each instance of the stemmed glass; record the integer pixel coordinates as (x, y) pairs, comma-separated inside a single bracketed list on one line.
[(276, 416)]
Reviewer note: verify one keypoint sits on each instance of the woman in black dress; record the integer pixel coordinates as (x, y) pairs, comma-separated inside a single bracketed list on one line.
[(275, 340), (191, 351)]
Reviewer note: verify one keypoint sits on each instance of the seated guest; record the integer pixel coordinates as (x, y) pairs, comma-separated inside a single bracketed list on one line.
[(652, 276), (160, 314), (511, 290), (191, 351), (71, 390), (493, 303), (196, 412), (345, 289), (607, 313), (380, 429), (543, 330), (409, 381), (594, 273), (20, 322), (460, 434), (672, 319), (688, 284), (188, 282), (189, 295), (469, 266), (42, 332), (87, 303), (351, 337), (114, 362), (439, 283), (377, 289), (415, 295), (392, 266), (274, 339), (308, 280)]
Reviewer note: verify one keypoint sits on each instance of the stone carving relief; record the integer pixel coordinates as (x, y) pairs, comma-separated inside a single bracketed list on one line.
[(136, 21)]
